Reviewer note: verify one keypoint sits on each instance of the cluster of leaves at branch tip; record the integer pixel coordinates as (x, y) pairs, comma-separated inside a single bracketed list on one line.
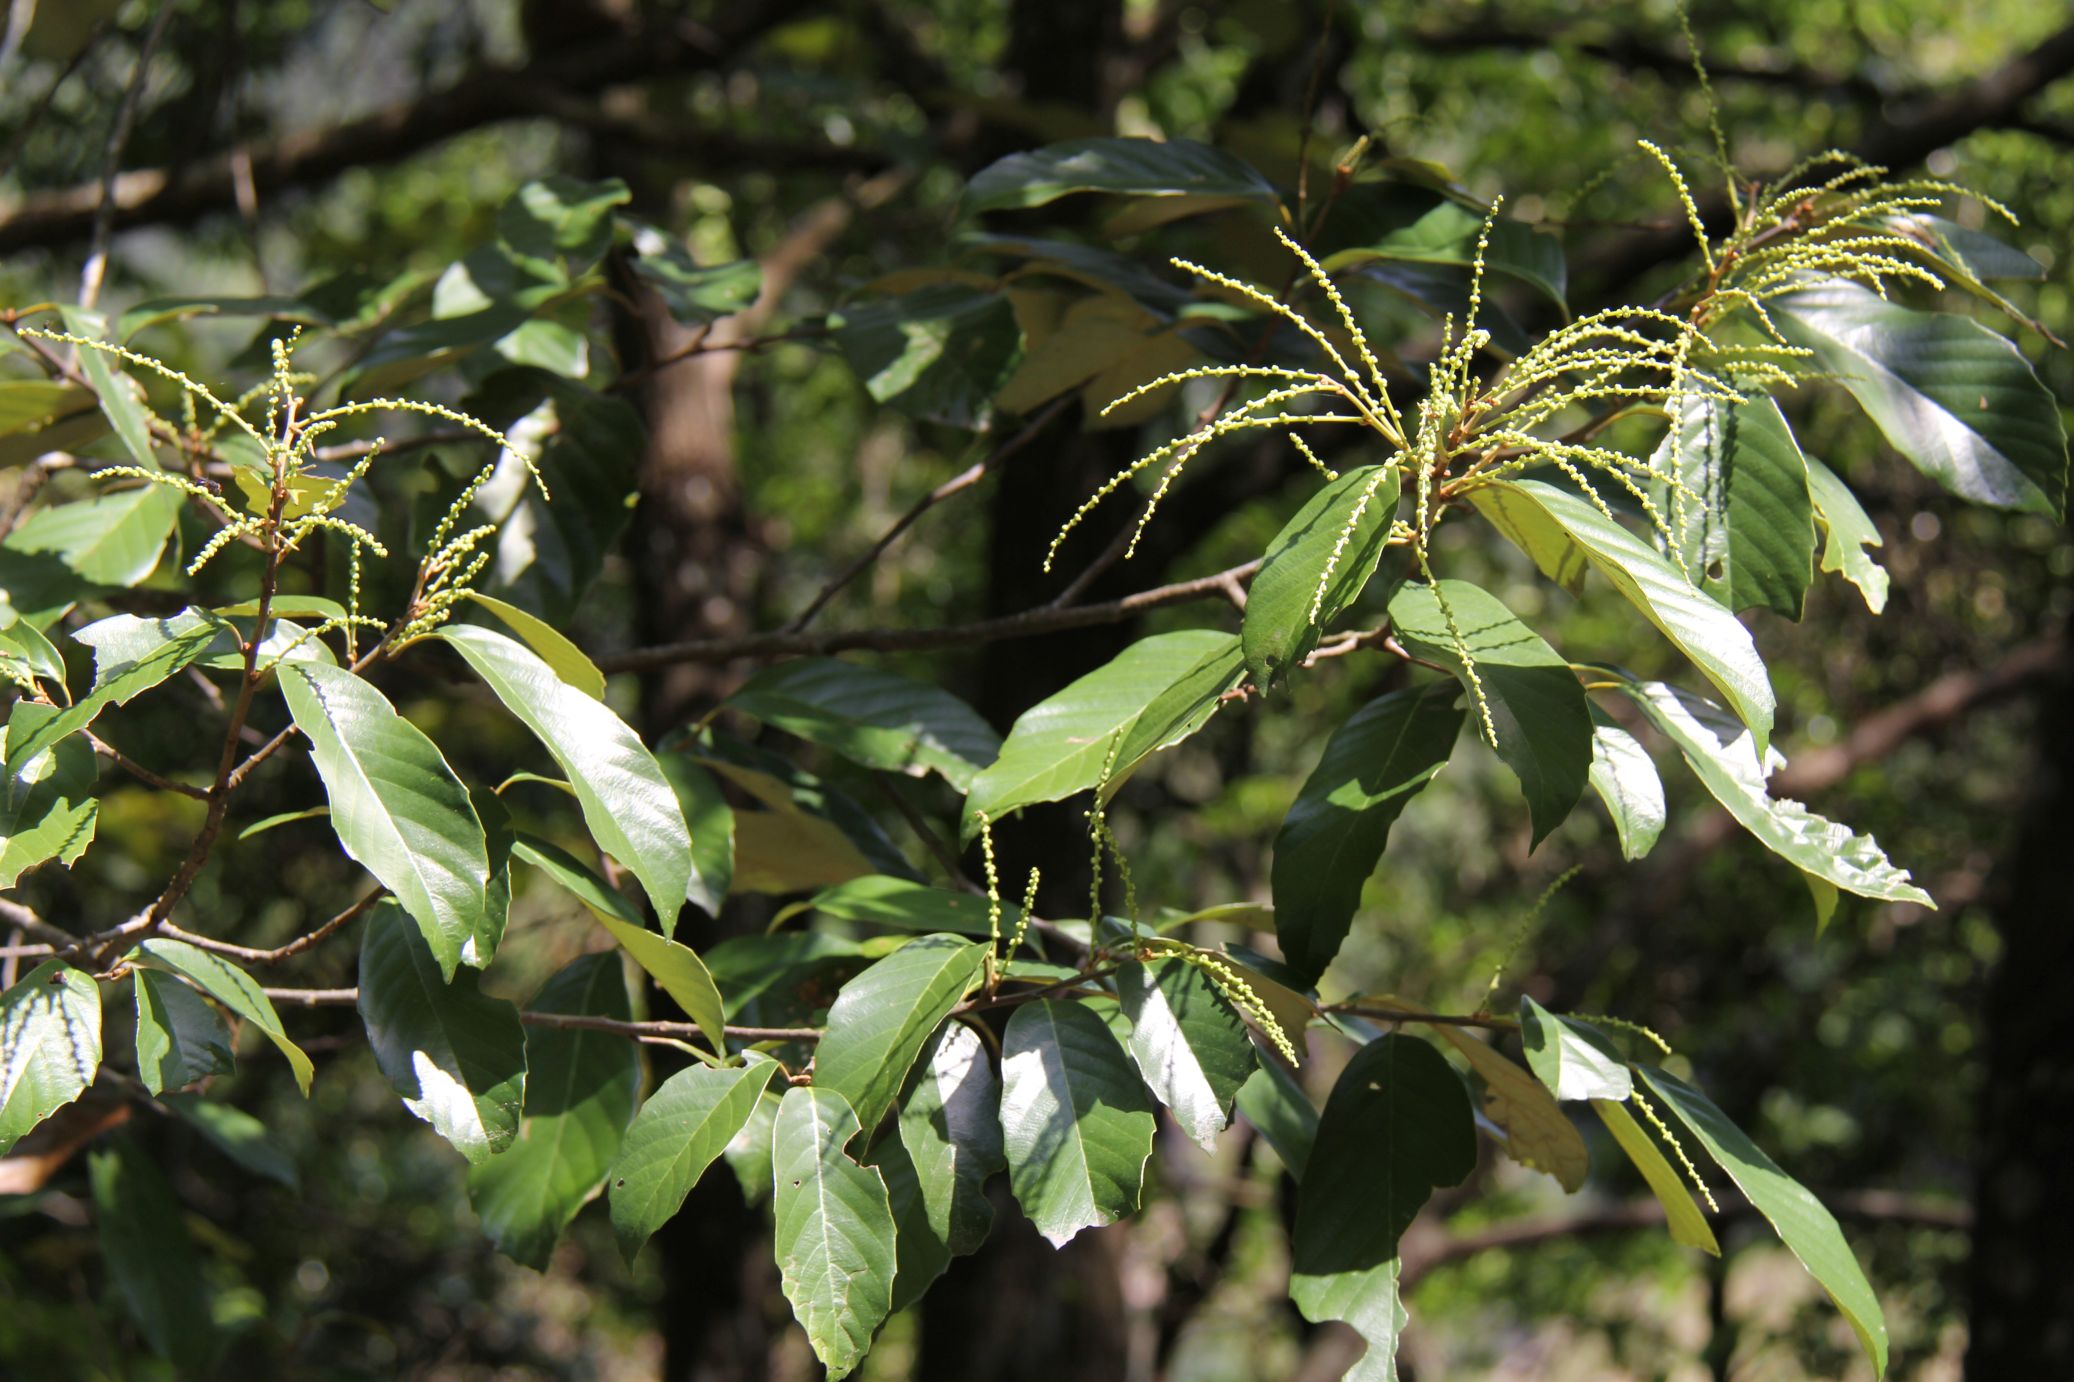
[(872, 1121)]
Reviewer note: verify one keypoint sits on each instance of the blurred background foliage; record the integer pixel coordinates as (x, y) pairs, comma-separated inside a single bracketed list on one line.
[(832, 141)]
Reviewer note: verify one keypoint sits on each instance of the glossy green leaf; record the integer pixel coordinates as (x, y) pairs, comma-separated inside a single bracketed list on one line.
[(487, 932), (1174, 714), (940, 353), (712, 824), (628, 804), (1189, 1043), (1396, 1126), (1742, 515), (1959, 401), (1072, 741), (1721, 755), (872, 717), (581, 1088), (568, 661), (26, 649), (1076, 1122), (1566, 535), (131, 655), (180, 1038), (1681, 1212), (833, 1228), (154, 311), (694, 293), (948, 1143), (793, 974), (883, 1017), (47, 806), (686, 1123), (1335, 832), (1574, 1059), (397, 807), (1806, 1228), (748, 1153), (1537, 708), (230, 986), (1274, 1102), (456, 1055), (676, 968), (112, 539), (235, 1133), (150, 1259), (121, 400), (1971, 253), (896, 902), (1848, 532), (1128, 167), (1399, 224), (1625, 777), (1332, 545), (50, 1046)]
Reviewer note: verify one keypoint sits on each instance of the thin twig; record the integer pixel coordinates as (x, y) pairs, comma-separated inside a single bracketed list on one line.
[(673, 1031), (295, 947), (96, 268), (142, 773)]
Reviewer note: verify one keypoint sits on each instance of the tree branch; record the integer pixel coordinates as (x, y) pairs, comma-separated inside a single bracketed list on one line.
[(640, 1031)]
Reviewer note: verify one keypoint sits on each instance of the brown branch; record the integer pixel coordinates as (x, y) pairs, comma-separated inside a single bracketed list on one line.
[(1027, 624), (24, 919), (142, 773), (668, 1031), (279, 953)]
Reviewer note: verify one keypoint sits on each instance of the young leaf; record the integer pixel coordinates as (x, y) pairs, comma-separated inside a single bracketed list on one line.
[(1129, 167), (47, 807), (676, 969), (936, 1169), (1848, 533), (1808, 1229), (1624, 776), (555, 649), (1335, 540), (1275, 1103), (1959, 401), (1335, 832), (580, 1091), (456, 1055), (235, 1133), (686, 1123), (50, 1046), (130, 655), (1721, 755), (1743, 519), (1076, 1124), (1189, 1043), (872, 717), (180, 1038), (396, 805), (1573, 1059), (1396, 1126), (883, 1017), (1072, 741), (1537, 707), (627, 803), (230, 986), (151, 1260), (1538, 1134), (112, 539), (907, 906), (1565, 535), (1681, 1213), (833, 1227)]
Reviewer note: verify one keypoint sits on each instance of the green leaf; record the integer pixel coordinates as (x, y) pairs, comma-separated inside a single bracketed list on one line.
[(787, 973), (1274, 1102), (1538, 1134), (871, 717), (1129, 167), (1396, 1126), (627, 802), (1063, 745), (686, 1123), (154, 311), (1681, 1213), (694, 293), (112, 539), (488, 931), (1188, 1041), (26, 648), (26, 404), (1625, 778), (1076, 1123), (676, 969), (1805, 1227), (896, 902), (1743, 518), (1537, 708), (50, 1046), (1335, 832), (567, 660), (748, 1153), (833, 1228), (235, 1133), (940, 353), (712, 824), (1848, 531), (230, 986), (120, 398), (1565, 535), (1959, 401), (131, 655), (180, 1038), (883, 1017), (47, 806), (936, 1168), (456, 1055), (1574, 1059), (1722, 756), (397, 807), (151, 1260), (1965, 252), (1406, 225), (581, 1088), (1333, 544)]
